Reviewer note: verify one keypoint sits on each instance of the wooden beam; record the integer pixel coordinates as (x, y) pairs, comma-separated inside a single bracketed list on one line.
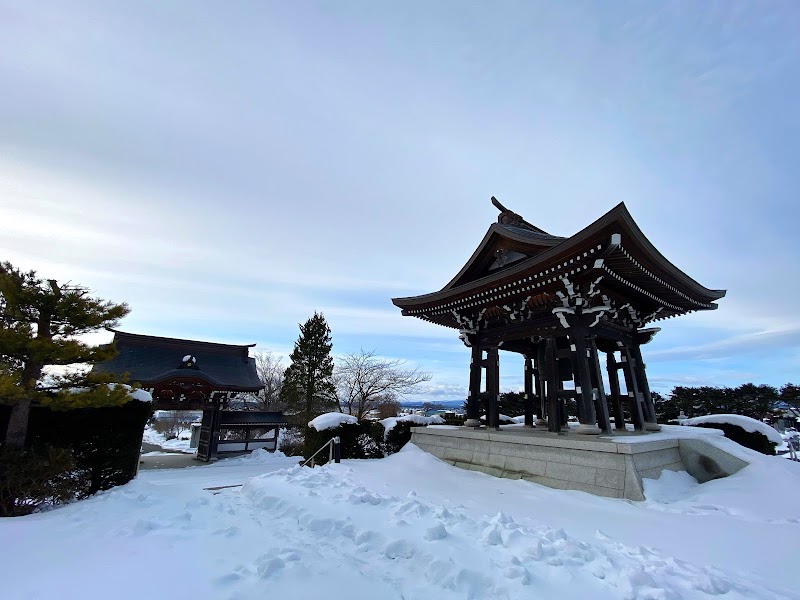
[(616, 401), (551, 370), (634, 395), (644, 386), (601, 405), (583, 382), (541, 379), (493, 388), (475, 369), (529, 397)]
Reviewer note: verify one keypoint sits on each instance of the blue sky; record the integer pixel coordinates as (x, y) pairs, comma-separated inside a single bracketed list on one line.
[(228, 168)]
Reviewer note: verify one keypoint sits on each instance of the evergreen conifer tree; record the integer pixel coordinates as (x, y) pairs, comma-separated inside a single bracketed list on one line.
[(39, 322), (308, 387)]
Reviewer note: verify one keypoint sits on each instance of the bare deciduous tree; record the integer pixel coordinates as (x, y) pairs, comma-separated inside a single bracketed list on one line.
[(171, 423), (366, 381), (387, 408), (270, 370)]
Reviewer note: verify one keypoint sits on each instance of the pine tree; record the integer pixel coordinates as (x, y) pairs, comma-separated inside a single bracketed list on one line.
[(308, 388), (39, 323)]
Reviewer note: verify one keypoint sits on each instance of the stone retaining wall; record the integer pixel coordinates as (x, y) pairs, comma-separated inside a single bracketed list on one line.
[(600, 466)]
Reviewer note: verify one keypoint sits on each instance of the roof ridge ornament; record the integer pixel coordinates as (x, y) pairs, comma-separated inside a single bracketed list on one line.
[(188, 362), (509, 217)]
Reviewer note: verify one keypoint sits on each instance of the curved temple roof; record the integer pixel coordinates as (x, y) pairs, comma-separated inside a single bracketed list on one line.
[(517, 260), (150, 360)]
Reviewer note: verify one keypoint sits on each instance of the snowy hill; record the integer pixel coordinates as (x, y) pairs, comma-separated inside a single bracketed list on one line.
[(408, 526)]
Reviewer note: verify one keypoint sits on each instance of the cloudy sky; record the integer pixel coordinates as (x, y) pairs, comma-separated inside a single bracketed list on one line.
[(227, 168)]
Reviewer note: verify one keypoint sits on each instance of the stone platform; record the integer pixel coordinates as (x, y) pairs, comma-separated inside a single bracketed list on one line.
[(611, 466)]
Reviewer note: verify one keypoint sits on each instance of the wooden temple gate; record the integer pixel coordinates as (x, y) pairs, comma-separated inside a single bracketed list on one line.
[(561, 302), (191, 375)]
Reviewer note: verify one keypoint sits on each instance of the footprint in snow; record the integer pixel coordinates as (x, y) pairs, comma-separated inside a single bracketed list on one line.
[(269, 566), (367, 540), (364, 498), (399, 549), (144, 526), (474, 584), (227, 579), (491, 536), (439, 572), (437, 532)]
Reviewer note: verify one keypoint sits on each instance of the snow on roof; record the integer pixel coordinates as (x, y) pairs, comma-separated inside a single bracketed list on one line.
[(331, 421), (388, 424), (746, 423)]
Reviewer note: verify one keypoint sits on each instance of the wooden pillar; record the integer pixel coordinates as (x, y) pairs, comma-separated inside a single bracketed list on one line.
[(493, 388), (215, 422), (650, 423), (563, 413), (540, 378), (528, 391), (634, 395), (583, 383), (601, 406), (616, 401), (551, 376), (475, 369)]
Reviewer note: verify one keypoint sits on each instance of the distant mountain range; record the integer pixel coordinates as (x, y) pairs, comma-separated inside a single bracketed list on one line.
[(433, 403)]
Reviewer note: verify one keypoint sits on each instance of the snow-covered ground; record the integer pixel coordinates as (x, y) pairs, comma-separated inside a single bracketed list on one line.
[(408, 526), (179, 444)]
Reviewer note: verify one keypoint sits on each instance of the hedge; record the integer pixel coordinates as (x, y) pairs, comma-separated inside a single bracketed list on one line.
[(105, 442), (399, 436), (357, 440), (32, 478), (365, 439), (749, 439)]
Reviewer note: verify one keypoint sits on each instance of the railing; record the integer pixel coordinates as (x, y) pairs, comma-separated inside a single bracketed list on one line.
[(334, 454)]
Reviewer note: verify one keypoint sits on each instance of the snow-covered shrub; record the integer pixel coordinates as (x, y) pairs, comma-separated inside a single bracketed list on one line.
[(371, 447), (743, 430), (398, 436), (397, 430), (291, 441), (749, 439), (362, 439), (32, 478)]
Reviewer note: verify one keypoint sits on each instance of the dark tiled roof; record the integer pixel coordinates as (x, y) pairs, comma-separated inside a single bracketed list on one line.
[(533, 235), (150, 359)]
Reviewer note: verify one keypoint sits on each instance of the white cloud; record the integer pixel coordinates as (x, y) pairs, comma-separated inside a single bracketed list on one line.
[(313, 160)]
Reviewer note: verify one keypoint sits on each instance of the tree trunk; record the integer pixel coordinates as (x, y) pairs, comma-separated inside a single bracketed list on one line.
[(17, 429)]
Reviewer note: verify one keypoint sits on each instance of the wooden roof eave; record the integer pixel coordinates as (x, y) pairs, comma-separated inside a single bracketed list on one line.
[(615, 284), (176, 374), (617, 215), (669, 268)]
